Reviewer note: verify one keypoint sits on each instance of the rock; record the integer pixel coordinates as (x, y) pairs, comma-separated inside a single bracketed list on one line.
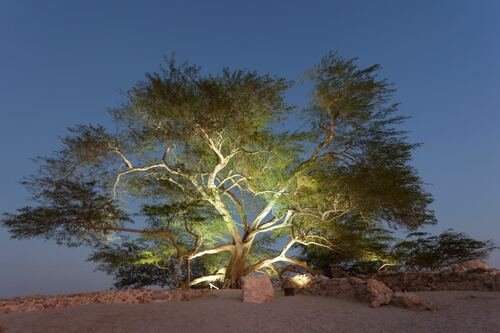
[(340, 288), (320, 279), (257, 289), (345, 285), (471, 265), (355, 281), (34, 303), (374, 292), (412, 302)]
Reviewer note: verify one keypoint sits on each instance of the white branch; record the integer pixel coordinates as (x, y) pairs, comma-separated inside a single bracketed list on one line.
[(222, 248), (122, 155), (141, 169), (282, 256), (271, 225), (262, 215), (208, 278)]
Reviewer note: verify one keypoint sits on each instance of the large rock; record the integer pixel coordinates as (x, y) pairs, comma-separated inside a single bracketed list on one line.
[(471, 265), (374, 292), (412, 302), (257, 289)]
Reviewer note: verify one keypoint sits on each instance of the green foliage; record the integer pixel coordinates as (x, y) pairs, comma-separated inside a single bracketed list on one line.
[(420, 251), (362, 249), (359, 248), (123, 261), (214, 179), (68, 212)]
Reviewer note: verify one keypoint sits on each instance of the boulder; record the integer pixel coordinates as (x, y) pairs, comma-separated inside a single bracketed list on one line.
[(412, 302), (471, 265), (355, 281), (257, 289), (374, 292), (342, 287)]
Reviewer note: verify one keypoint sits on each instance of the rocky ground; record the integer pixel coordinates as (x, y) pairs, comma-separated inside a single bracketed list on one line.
[(322, 304), (225, 312), (131, 296)]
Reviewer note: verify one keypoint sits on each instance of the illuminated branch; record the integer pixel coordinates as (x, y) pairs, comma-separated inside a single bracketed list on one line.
[(218, 249), (219, 167), (208, 278), (166, 152), (214, 197), (262, 215), (272, 225), (163, 165), (328, 244), (231, 224), (235, 184), (239, 207), (141, 169), (230, 177), (217, 149), (122, 155), (283, 258)]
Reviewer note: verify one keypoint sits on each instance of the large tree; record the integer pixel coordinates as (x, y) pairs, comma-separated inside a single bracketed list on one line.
[(204, 157)]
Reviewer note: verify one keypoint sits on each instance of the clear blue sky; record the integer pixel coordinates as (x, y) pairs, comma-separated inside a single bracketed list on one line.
[(63, 62)]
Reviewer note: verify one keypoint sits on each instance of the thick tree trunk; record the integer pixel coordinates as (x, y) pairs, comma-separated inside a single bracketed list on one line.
[(235, 269)]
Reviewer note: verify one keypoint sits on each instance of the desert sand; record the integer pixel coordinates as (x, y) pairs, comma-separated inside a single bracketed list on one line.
[(225, 312)]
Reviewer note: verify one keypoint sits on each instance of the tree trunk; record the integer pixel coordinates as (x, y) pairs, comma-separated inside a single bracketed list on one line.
[(187, 280), (235, 269)]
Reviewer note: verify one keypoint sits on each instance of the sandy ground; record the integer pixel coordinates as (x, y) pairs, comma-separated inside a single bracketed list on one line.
[(225, 312)]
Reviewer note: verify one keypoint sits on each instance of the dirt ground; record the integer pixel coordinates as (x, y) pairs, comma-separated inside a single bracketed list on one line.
[(225, 312)]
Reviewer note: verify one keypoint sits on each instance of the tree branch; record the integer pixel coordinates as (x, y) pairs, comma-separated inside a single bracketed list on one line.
[(208, 278), (271, 225), (122, 155), (262, 215), (141, 169), (283, 258), (218, 249)]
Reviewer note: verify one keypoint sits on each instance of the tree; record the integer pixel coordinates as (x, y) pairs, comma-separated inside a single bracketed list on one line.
[(209, 144), (419, 251), (360, 248)]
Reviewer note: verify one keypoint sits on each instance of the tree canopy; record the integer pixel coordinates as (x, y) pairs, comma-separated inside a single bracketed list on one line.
[(420, 251), (202, 157)]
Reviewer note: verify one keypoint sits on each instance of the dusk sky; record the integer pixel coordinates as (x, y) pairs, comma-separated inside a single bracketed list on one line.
[(64, 62)]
